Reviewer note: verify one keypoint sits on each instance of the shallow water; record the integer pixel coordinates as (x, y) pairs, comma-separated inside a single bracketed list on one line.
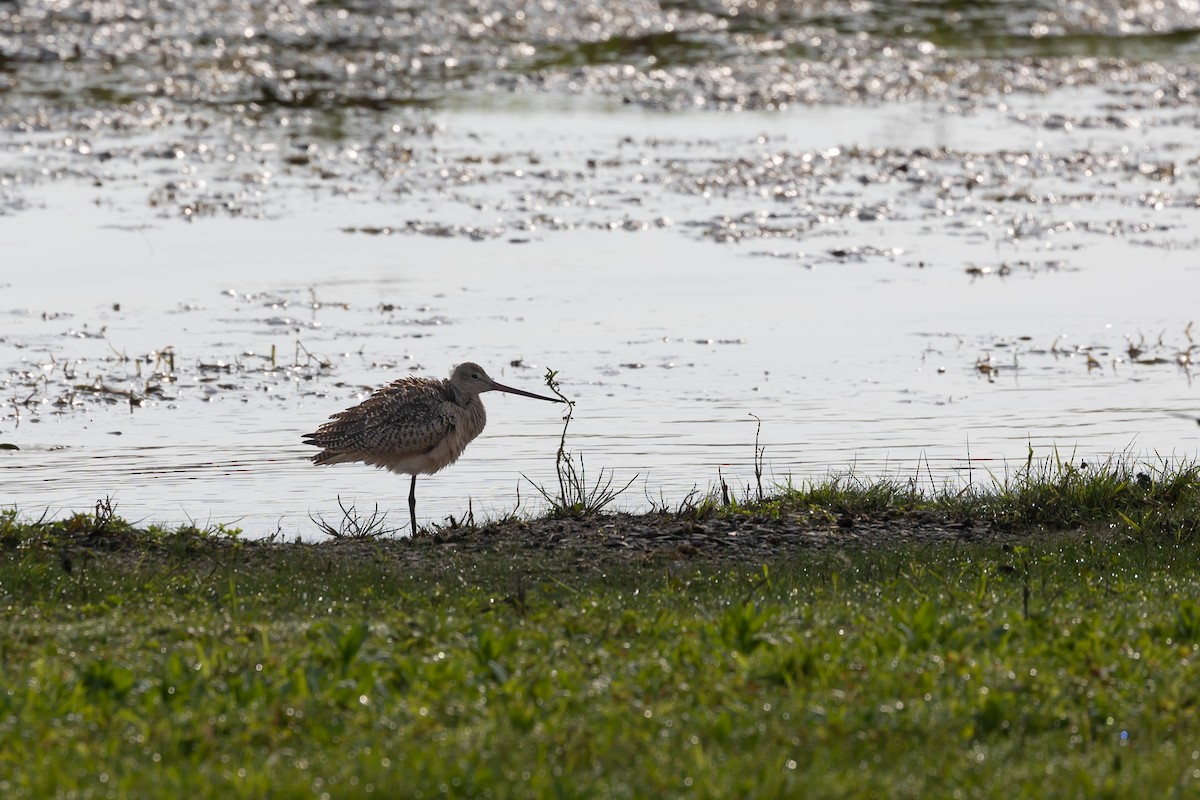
[(922, 289)]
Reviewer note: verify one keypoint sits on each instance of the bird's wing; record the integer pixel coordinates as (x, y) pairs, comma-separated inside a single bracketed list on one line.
[(407, 416)]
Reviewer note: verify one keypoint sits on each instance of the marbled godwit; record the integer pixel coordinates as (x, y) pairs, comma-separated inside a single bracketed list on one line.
[(414, 426)]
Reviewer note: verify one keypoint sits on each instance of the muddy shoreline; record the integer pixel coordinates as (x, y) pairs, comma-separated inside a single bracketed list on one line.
[(542, 548)]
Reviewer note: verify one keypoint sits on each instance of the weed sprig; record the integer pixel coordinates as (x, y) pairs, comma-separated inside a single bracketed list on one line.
[(576, 497)]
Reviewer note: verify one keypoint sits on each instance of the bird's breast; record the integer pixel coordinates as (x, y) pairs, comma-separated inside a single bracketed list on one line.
[(468, 423)]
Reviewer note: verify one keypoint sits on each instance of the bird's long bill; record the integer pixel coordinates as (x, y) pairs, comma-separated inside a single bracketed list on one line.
[(500, 387)]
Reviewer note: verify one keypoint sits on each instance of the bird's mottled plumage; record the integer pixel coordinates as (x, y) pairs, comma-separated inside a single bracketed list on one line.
[(415, 426), (412, 425)]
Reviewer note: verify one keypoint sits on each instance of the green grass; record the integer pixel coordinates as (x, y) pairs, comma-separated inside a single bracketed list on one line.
[(1140, 498), (192, 663)]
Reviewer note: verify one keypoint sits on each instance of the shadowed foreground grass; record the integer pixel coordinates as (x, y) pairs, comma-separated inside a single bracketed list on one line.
[(186, 663)]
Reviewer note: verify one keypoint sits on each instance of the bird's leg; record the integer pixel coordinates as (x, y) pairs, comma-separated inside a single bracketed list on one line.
[(412, 504)]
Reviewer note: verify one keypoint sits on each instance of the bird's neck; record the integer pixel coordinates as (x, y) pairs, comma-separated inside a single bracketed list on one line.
[(459, 398)]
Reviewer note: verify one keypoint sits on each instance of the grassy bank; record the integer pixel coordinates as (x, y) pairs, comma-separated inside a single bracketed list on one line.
[(1055, 655)]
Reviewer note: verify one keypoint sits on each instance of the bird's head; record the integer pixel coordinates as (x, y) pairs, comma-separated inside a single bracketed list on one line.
[(471, 379)]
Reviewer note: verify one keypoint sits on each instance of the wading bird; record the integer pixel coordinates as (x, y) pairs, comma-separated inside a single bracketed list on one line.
[(414, 426)]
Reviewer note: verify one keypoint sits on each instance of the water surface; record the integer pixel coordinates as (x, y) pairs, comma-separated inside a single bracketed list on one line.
[(925, 286)]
